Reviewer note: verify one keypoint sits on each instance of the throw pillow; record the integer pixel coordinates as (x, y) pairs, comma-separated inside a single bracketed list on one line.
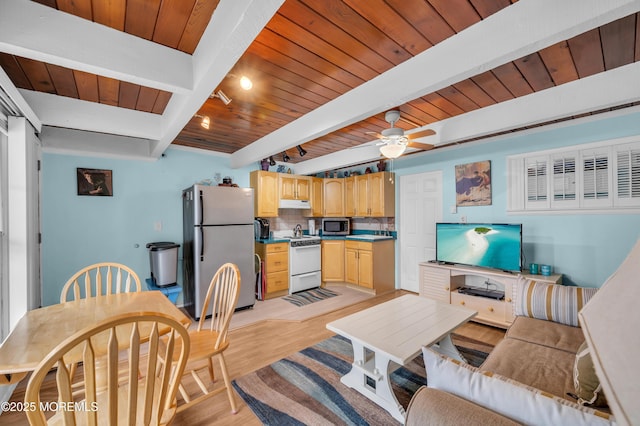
[(507, 397), (551, 302), (587, 383)]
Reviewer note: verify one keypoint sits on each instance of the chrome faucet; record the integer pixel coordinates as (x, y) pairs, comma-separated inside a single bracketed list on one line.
[(297, 231)]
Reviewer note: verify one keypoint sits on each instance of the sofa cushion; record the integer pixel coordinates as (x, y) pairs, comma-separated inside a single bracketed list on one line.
[(544, 368), (550, 302), (586, 382), (546, 333), (514, 400), (432, 407)]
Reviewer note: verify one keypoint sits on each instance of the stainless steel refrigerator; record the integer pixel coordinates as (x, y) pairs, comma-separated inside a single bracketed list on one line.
[(218, 228)]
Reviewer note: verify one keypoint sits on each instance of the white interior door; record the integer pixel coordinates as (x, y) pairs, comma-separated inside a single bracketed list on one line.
[(420, 209)]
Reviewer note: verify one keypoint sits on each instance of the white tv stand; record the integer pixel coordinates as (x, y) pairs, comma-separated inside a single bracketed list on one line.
[(441, 282)]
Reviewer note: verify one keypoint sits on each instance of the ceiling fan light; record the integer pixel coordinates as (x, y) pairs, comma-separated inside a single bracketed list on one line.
[(246, 83), (392, 150)]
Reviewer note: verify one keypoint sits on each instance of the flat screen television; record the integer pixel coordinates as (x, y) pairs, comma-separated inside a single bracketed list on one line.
[(488, 245)]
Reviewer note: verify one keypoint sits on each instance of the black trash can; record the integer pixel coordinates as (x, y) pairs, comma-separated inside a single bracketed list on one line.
[(163, 259)]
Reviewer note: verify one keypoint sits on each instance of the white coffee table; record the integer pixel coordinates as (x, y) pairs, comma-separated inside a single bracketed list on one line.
[(394, 332)]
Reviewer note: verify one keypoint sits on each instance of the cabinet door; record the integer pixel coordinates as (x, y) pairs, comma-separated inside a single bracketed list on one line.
[(365, 268), (376, 194), (351, 265), (350, 195), (265, 185), (316, 198), (303, 188), (362, 199), (333, 260), (333, 197), (287, 187)]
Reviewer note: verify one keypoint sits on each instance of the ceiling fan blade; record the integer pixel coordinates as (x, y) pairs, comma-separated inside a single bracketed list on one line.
[(376, 134), (421, 134), (422, 146)]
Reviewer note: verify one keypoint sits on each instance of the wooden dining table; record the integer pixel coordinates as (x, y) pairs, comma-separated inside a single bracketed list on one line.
[(41, 330)]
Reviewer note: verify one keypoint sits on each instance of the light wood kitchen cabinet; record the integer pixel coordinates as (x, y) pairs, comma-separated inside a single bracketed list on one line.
[(350, 195), (333, 260), (265, 193), (317, 198), (375, 195), (333, 197), (370, 265), (293, 187), (276, 268)]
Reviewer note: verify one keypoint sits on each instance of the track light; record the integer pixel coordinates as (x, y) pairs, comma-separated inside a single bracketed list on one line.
[(285, 157), (220, 95), (246, 83), (272, 162), (301, 151), (206, 121)]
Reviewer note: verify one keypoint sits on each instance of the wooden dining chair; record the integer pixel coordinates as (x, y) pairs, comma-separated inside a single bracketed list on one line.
[(103, 278), (209, 339), (149, 399)]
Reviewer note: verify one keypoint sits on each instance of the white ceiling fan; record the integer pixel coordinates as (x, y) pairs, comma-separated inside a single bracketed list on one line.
[(393, 141)]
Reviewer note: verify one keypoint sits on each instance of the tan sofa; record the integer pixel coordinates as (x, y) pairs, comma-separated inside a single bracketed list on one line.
[(528, 378)]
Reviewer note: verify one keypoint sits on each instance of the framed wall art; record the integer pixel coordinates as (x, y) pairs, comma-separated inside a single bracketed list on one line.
[(473, 184), (95, 182)]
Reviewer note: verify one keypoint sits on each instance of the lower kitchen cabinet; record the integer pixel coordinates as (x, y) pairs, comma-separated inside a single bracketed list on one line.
[(370, 265), (332, 260), (276, 268)]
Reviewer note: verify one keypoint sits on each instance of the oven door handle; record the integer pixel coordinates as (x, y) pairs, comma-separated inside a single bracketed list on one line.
[(306, 247), (308, 274)]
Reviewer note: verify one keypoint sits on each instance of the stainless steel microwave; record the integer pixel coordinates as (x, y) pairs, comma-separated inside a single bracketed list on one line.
[(335, 226)]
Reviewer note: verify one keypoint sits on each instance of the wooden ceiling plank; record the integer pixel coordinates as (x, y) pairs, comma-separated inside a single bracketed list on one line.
[(558, 61), (489, 7), (492, 86), (443, 103), (63, 81), (172, 20), (161, 102), (198, 21), (511, 78), (37, 74), (141, 16), (424, 18), (108, 90), (87, 85), (427, 107), (50, 3), (587, 53), (388, 21), (146, 99), (618, 39), (128, 95), (10, 65), (459, 14), (311, 42), (419, 116), (110, 13), (81, 8), (334, 35), (458, 99), (534, 71), (475, 93), (637, 49), (359, 28)]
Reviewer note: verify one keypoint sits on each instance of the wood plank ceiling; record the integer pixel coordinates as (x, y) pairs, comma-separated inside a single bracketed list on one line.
[(313, 51)]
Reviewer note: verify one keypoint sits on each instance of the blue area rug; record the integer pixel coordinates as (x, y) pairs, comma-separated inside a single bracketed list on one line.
[(305, 388), (310, 296)]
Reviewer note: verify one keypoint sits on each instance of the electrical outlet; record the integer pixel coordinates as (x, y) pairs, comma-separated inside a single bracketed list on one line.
[(463, 219), (157, 226), (453, 209)]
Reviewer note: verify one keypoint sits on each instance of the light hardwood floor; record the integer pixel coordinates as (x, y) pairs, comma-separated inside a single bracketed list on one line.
[(261, 344)]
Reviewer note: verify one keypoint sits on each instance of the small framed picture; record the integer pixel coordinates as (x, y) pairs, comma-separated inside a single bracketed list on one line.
[(95, 182)]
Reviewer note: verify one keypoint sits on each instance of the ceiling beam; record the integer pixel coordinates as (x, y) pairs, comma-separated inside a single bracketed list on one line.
[(31, 30), (520, 29), (597, 92)]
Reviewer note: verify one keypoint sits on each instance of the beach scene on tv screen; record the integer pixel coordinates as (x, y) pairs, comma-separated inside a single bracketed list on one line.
[(491, 246)]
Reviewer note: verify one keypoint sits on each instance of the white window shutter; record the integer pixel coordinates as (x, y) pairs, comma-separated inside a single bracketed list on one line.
[(537, 183), (628, 175)]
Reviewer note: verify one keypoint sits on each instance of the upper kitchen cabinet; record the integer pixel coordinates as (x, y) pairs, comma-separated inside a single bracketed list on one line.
[(265, 193), (376, 193), (316, 199), (293, 187), (350, 196), (333, 197)]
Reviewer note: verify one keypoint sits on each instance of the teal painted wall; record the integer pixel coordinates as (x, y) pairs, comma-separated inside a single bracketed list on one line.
[(585, 248), (80, 230)]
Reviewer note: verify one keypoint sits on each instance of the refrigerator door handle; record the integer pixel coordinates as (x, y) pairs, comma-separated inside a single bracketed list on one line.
[(201, 243), (201, 208)]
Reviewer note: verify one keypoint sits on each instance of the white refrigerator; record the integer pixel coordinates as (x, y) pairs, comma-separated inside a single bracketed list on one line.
[(218, 228)]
